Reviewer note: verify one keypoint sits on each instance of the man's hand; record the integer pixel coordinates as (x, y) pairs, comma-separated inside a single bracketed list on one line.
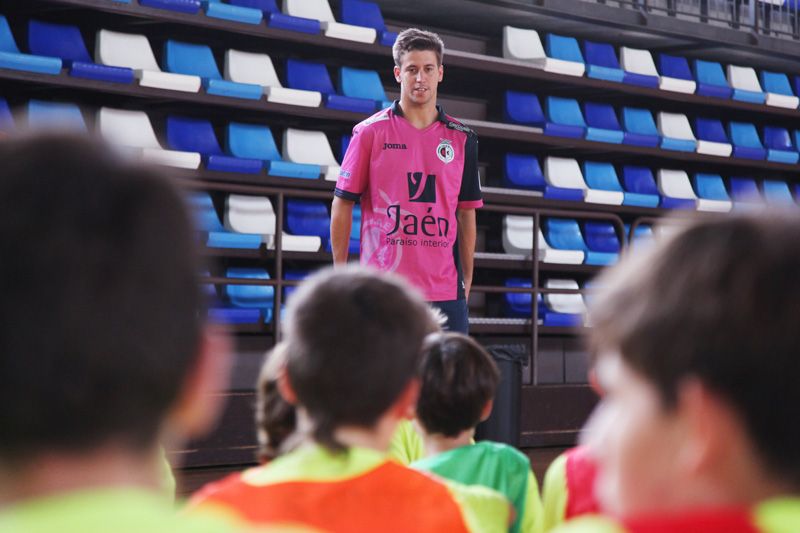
[(467, 233)]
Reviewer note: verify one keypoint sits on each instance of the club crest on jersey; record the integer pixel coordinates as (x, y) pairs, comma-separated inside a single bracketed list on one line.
[(445, 151)]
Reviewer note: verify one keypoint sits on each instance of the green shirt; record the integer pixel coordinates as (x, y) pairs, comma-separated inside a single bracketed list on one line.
[(121, 510), (497, 466)]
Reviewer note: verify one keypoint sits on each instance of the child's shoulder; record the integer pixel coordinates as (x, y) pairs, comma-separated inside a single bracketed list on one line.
[(503, 451)]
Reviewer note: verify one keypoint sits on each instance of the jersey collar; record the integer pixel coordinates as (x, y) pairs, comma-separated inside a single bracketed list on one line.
[(397, 110)]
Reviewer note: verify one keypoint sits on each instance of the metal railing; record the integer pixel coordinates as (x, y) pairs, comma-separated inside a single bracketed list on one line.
[(779, 18)]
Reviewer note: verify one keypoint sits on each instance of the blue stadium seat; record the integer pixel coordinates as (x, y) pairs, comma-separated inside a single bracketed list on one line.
[(602, 177), (181, 6), (563, 48), (639, 187), (797, 192), (250, 141), (602, 242), (744, 191), (711, 193), (259, 297), (711, 137), (308, 217), (367, 14), (518, 304), (198, 60), (564, 118), (602, 123), (196, 135), (675, 74), (282, 21), (641, 235), (711, 79), (602, 62), (6, 118), (219, 9), (207, 221), (779, 92), (311, 76), (523, 171), (523, 108), (344, 146), (779, 145), (564, 234), (12, 58), (55, 115), (66, 42), (777, 193), (292, 275), (364, 84), (640, 128), (745, 141)]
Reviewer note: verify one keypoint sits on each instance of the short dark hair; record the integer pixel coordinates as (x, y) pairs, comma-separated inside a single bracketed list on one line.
[(276, 419), (354, 338), (719, 301), (458, 379), (416, 39), (99, 317)]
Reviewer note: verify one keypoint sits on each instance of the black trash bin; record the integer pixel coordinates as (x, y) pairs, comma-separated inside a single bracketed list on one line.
[(503, 424)]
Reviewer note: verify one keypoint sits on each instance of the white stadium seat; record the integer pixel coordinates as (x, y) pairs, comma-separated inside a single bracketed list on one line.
[(257, 69), (311, 147), (133, 51), (572, 304), (518, 239), (321, 10), (637, 61), (566, 173), (132, 129), (675, 184), (255, 214), (525, 45)]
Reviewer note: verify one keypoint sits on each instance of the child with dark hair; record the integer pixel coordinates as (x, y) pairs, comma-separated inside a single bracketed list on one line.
[(276, 419), (104, 347), (459, 380), (696, 345), (353, 344)]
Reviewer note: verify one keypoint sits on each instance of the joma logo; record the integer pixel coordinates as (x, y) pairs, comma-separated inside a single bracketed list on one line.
[(394, 146)]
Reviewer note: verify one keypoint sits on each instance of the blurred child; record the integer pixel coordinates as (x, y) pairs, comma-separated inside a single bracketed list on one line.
[(459, 380), (104, 350), (697, 349), (353, 342)]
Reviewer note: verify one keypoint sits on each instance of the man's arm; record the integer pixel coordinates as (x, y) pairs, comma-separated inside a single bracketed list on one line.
[(341, 224), (467, 232)]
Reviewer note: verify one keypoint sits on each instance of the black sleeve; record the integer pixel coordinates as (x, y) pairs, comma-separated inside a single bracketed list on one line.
[(470, 180)]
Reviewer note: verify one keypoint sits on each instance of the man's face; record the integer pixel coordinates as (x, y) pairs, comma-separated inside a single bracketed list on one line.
[(419, 75), (634, 440)]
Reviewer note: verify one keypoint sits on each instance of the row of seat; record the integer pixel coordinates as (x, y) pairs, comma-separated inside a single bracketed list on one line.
[(554, 309), (599, 182), (188, 67), (247, 148), (636, 66), (566, 117), (250, 221), (360, 20)]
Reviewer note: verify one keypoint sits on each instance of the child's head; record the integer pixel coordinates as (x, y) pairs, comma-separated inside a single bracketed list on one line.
[(458, 382), (354, 337), (698, 352), (276, 419)]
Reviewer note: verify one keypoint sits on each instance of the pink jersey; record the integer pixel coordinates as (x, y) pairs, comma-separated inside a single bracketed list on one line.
[(410, 183)]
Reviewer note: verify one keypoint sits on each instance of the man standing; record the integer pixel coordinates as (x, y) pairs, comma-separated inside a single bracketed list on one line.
[(415, 170)]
